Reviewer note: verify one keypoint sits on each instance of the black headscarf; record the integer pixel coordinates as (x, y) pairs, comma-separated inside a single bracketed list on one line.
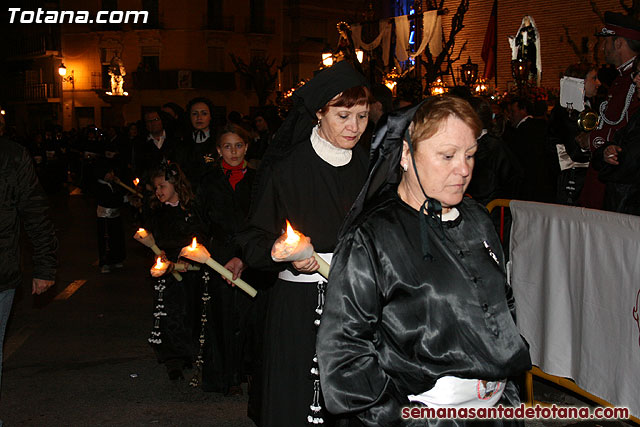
[(300, 121), (385, 172)]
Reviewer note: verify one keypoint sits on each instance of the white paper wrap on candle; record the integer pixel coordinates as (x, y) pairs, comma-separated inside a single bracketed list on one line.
[(146, 238), (201, 254), (281, 251), (157, 272)]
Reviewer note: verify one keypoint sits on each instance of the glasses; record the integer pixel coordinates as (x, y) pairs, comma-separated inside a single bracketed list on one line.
[(153, 120)]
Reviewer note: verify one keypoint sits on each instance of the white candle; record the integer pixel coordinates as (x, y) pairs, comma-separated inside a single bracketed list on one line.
[(295, 246), (126, 187), (147, 239), (198, 253), (159, 268)]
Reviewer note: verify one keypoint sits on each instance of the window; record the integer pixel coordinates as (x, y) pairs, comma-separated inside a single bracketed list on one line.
[(214, 14), (257, 9), (150, 59), (151, 6), (150, 64), (216, 58)]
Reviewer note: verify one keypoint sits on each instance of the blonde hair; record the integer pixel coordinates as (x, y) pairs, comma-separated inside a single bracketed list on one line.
[(435, 111)]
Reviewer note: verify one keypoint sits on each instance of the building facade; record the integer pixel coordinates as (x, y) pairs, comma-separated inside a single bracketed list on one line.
[(184, 50)]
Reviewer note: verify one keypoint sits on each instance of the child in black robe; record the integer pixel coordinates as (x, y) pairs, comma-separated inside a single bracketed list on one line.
[(110, 199), (223, 198), (173, 225)]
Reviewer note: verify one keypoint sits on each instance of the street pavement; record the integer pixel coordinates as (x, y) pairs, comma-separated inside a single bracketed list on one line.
[(85, 360), (82, 358)]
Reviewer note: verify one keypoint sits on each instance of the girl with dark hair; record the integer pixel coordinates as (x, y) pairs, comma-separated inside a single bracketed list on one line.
[(173, 226)]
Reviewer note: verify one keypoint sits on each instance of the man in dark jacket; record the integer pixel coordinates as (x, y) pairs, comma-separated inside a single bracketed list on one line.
[(537, 158), (22, 200)]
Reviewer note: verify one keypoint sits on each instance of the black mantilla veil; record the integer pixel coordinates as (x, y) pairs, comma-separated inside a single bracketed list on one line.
[(300, 121), (385, 172)]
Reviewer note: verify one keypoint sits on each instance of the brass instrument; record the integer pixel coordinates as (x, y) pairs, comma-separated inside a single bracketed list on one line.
[(588, 120)]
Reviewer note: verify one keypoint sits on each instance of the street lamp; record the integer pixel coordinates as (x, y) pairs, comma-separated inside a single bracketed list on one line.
[(469, 72), (62, 70)]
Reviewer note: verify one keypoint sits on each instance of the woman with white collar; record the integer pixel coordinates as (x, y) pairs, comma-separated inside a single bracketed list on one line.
[(199, 150), (310, 175)]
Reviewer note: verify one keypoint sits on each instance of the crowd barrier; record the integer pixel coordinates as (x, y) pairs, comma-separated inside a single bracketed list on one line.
[(575, 274)]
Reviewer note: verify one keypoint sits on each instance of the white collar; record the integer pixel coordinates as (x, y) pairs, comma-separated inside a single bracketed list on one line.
[(328, 152), (158, 142), (451, 215), (201, 137)]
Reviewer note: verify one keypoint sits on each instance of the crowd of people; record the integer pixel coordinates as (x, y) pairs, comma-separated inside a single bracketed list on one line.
[(416, 309)]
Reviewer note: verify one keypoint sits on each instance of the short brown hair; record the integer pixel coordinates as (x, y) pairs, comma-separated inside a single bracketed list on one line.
[(233, 128), (579, 70), (357, 95), (435, 111)]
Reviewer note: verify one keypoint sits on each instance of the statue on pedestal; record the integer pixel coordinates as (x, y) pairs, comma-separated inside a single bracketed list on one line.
[(525, 47), (117, 73)]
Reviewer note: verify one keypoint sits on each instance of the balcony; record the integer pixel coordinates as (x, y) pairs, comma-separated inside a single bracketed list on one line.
[(36, 92), (168, 79), (32, 46)]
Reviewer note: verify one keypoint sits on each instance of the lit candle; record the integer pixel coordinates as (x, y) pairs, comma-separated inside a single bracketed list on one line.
[(198, 253), (159, 268), (136, 181), (147, 239), (295, 246), (126, 187)]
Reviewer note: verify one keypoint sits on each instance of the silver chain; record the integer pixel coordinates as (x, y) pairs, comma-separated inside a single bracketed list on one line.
[(627, 102)]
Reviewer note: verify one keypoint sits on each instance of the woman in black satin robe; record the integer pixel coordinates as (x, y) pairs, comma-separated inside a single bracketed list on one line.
[(418, 309)]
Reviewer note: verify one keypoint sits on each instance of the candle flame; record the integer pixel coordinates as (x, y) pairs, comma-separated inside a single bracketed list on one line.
[(141, 230), (194, 244), (159, 264), (292, 237), (136, 181)]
